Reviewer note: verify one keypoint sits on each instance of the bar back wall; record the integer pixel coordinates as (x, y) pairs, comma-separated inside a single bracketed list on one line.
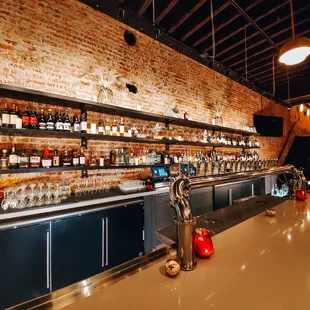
[(67, 48)]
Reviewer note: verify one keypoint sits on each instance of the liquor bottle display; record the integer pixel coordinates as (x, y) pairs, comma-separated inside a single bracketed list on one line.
[(13, 158)]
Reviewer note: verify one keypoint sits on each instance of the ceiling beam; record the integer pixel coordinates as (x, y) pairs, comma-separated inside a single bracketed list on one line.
[(266, 49), (253, 23), (207, 36), (246, 25), (206, 20), (144, 6), (166, 11), (187, 15), (264, 40)]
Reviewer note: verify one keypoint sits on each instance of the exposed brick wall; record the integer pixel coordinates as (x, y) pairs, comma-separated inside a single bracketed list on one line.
[(62, 46)]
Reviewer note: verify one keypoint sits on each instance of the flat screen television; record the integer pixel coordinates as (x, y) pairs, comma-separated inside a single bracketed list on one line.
[(269, 126)]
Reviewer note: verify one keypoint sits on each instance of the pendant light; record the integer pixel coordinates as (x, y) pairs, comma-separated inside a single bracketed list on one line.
[(296, 50), (301, 108)]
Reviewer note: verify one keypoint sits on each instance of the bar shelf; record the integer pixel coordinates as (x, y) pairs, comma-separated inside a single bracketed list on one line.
[(20, 93)]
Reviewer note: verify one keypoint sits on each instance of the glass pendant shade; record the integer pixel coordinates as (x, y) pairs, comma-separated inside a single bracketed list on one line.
[(295, 51), (301, 108), (308, 112)]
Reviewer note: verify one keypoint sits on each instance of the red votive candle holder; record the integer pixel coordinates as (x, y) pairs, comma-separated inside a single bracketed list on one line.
[(202, 243)]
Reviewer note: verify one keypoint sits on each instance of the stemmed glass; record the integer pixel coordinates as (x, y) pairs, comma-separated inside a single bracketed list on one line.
[(5, 202)]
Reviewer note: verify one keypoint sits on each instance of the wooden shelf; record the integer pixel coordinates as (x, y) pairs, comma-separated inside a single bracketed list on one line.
[(5, 131), (124, 139), (19, 93)]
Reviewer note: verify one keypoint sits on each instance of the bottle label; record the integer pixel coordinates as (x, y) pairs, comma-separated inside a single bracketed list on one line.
[(5, 119), (42, 126), (100, 129), (76, 127), (13, 118), (75, 161), (13, 159), (50, 126), (35, 159), (59, 126), (56, 161), (25, 119), (33, 120), (122, 130), (114, 130), (101, 162), (67, 126), (107, 130), (83, 126), (4, 163), (46, 163), (82, 160)]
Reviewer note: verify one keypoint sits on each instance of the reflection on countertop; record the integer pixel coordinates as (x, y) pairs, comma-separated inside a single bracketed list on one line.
[(222, 219), (261, 263)]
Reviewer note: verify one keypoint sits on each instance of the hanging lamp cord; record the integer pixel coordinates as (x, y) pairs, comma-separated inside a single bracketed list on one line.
[(292, 18), (288, 87), (213, 32), (245, 53), (273, 76)]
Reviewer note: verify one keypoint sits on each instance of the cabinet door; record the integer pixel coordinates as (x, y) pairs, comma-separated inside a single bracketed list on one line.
[(246, 189), (201, 200), (164, 213), (24, 264), (123, 234), (221, 196), (235, 192), (76, 249)]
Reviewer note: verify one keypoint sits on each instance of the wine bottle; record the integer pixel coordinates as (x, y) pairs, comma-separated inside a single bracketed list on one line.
[(59, 125), (6, 116), (83, 123), (33, 119), (13, 116), (42, 121), (50, 121), (100, 126), (122, 128), (67, 123), (13, 158)]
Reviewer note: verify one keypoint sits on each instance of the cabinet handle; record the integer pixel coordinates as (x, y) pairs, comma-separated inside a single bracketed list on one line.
[(107, 241), (230, 197), (253, 192), (47, 259), (103, 243)]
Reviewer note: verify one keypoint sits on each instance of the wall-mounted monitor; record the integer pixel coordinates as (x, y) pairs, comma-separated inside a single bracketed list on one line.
[(269, 126)]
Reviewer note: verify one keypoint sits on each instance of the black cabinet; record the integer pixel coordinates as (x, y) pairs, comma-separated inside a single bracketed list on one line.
[(164, 213), (201, 200), (24, 264), (124, 230), (221, 196), (87, 244), (76, 249)]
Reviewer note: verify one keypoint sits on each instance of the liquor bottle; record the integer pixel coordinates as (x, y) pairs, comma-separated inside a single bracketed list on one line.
[(25, 119), (4, 160), (42, 121), (92, 160), (76, 124), (66, 159), (121, 157), (35, 159), (112, 156), (50, 121), (82, 158), (122, 128), (6, 116), (46, 160), (101, 160), (83, 123), (114, 127), (107, 127), (56, 159), (75, 158), (19, 124), (13, 116), (33, 119), (13, 158), (117, 153), (67, 123), (59, 125), (24, 160), (100, 126)]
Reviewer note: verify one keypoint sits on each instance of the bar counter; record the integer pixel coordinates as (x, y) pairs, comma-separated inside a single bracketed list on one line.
[(261, 263)]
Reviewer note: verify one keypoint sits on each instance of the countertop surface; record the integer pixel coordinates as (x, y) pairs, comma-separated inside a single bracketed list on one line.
[(261, 263)]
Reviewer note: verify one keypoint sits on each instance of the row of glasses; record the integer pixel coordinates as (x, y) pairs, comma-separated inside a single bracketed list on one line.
[(35, 195), (132, 186), (91, 185)]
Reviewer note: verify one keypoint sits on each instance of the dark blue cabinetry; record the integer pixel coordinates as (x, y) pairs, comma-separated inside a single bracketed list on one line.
[(24, 264)]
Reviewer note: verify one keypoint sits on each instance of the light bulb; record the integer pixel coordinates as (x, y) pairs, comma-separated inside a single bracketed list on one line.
[(308, 112), (301, 108)]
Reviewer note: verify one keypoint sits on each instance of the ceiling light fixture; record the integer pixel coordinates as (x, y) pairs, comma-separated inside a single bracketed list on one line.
[(296, 50), (301, 108)]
